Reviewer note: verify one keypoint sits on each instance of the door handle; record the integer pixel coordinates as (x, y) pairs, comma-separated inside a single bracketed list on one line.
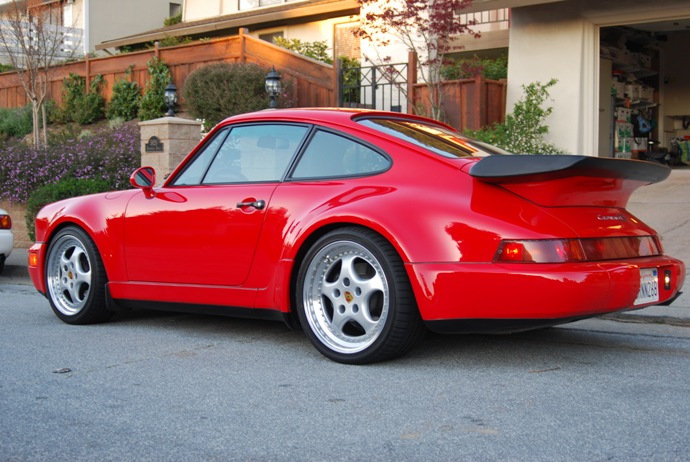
[(259, 205)]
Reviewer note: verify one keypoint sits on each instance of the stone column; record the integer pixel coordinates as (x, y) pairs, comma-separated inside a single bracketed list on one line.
[(166, 141)]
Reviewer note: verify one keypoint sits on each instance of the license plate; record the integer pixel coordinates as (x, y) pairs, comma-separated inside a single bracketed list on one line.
[(649, 286)]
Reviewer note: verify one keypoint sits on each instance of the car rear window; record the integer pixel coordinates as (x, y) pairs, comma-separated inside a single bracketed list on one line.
[(432, 137)]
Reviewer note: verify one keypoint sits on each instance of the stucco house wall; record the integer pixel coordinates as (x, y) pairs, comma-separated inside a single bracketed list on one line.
[(109, 19), (561, 40)]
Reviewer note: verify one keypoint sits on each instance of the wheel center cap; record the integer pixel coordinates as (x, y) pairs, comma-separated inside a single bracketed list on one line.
[(349, 297), (69, 275)]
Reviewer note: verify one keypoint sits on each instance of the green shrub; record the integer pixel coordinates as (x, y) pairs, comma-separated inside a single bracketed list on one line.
[(316, 50), (173, 41), (16, 122), (152, 104), (525, 127), (352, 79), (63, 189), (172, 20), (124, 102), (217, 91), (79, 105), (469, 68)]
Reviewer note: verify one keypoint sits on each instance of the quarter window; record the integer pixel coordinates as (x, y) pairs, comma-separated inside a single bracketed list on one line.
[(330, 155)]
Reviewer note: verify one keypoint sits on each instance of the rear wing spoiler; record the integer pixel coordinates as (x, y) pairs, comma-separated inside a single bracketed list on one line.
[(521, 168)]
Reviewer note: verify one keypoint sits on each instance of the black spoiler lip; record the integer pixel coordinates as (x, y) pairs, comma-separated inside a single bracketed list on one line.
[(505, 169)]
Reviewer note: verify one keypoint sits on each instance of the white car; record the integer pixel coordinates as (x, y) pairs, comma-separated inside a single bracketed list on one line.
[(6, 237)]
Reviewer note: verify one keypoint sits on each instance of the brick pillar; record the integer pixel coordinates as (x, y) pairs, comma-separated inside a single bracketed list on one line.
[(166, 141)]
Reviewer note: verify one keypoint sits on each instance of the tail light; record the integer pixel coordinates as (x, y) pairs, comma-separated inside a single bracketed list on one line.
[(5, 222), (577, 250)]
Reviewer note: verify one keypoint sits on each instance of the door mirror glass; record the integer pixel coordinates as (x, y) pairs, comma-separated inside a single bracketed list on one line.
[(144, 178)]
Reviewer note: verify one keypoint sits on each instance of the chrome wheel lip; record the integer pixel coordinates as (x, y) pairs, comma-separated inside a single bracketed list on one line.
[(354, 299), (68, 275)]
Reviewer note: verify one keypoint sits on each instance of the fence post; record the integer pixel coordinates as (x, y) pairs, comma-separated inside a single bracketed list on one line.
[(87, 64), (411, 80), (480, 96), (166, 141), (243, 44), (338, 81)]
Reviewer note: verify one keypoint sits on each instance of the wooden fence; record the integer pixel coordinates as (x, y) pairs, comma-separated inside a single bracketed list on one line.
[(468, 103), (313, 82), (472, 103)]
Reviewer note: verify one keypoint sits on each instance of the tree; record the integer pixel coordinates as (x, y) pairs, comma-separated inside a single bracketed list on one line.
[(34, 41), (423, 26)]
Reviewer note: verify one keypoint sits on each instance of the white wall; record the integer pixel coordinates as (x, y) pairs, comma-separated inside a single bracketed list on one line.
[(108, 19), (548, 43)]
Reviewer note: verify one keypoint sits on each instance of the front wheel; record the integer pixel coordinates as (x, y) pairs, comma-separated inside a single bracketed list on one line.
[(75, 278), (354, 298)]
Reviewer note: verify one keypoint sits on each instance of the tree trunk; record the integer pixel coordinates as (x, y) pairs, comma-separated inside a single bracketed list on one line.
[(36, 131), (44, 128)]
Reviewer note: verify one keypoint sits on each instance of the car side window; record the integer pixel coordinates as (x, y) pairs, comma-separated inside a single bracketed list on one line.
[(255, 153), (331, 155), (196, 169)]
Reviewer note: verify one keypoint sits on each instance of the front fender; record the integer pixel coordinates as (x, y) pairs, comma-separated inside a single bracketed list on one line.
[(99, 215)]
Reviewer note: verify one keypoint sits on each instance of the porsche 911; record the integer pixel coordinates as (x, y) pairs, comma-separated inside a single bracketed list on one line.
[(363, 228)]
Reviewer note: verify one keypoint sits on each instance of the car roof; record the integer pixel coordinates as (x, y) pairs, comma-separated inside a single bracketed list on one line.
[(332, 115)]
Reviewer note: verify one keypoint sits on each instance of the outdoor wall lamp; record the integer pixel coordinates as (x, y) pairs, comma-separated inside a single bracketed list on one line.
[(170, 96), (273, 87)]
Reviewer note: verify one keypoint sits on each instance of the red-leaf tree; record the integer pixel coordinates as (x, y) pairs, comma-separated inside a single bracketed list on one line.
[(423, 26)]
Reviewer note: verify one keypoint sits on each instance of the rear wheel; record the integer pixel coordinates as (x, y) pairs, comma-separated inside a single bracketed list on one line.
[(75, 278), (354, 298)]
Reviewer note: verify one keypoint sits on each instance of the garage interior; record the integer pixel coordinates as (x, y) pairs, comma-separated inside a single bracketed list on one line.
[(645, 91)]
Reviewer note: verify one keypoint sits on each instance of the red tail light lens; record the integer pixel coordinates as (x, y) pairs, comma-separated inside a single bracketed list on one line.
[(542, 251), (574, 250), (5, 222), (615, 248)]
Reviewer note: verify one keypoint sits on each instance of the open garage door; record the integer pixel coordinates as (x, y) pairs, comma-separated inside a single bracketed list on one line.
[(645, 90)]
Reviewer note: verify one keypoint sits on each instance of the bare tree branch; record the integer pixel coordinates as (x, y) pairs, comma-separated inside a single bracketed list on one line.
[(35, 42)]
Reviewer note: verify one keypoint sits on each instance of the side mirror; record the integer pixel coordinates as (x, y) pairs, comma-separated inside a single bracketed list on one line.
[(144, 178)]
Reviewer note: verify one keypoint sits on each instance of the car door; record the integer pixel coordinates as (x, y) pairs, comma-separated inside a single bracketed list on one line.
[(204, 225)]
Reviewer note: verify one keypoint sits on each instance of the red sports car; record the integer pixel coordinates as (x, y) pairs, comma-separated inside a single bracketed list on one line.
[(364, 228)]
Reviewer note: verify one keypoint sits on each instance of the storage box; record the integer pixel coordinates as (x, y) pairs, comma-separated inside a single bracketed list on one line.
[(624, 145), (618, 89), (624, 130), (620, 56), (623, 114), (633, 91), (647, 94)]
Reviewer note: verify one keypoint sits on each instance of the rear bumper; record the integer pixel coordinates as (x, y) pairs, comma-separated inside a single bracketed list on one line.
[(515, 296), (6, 242)]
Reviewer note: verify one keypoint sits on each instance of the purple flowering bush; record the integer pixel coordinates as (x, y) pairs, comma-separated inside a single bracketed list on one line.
[(109, 154)]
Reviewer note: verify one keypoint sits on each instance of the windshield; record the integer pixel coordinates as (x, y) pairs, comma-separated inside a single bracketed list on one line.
[(437, 139)]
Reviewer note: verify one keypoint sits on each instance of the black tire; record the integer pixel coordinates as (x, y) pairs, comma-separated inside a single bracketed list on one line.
[(354, 299), (76, 278)]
